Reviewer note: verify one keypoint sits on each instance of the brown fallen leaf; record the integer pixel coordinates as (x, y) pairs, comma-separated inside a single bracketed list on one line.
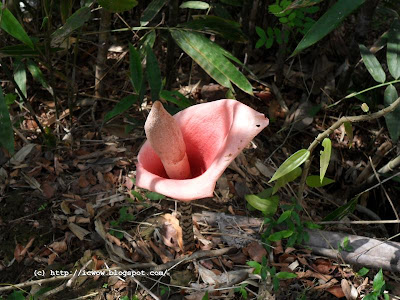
[(171, 232), (20, 251), (59, 247), (256, 251), (83, 182), (336, 291)]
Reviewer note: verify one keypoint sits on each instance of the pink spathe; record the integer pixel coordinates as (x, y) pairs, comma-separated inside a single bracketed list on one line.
[(214, 134)]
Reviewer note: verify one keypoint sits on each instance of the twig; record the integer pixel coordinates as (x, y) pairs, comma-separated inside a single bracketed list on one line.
[(337, 124), (386, 194), (145, 288)]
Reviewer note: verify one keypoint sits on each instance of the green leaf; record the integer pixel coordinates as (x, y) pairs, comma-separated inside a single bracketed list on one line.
[(20, 75), (348, 128), (137, 195), (153, 74), (342, 211), (372, 64), (211, 59), (151, 11), (274, 9), (135, 66), (291, 176), (266, 205), (393, 49), (311, 225), (277, 236), (38, 75), (284, 216), (392, 119), (286, 275), (154, 196), (75, 21), (379, 282), (291, 163), (6, 131), (123, 105), (260, 43), (228, 29), (11, 25), (10, 98), (325, 157), (16, 295), (314, 181), (261, 33), (255, 265), (195, 5), (328, 22), (363, 271), (175, 97), (118, 5)]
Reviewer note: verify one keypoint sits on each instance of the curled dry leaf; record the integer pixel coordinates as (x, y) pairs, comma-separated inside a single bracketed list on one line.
[(20, 251), (59, 247), (171, 232)]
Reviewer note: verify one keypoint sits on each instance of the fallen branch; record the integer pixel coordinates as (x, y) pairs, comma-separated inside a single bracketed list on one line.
[(366, 251)]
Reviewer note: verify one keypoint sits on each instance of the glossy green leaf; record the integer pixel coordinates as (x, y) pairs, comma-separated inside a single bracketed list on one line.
[(6, 131), (118, 5), (291, 163), (277, 236), (75, 21), (266, 205), (392, 119), (363, 271), (328, 22), (261, 33), (151, 11), (195, 5), (348, 128), (393, 49), (154, 196), (20, 75), (11, 25), (286, 275), (325, 157), (284, 216), (314, 181), (372, 64), (379, 282), (176, 98), (153, 74), (123, 105), (135, 67), (211, 59), (38, 75), (228, 29), (291, 176), (342, 211)]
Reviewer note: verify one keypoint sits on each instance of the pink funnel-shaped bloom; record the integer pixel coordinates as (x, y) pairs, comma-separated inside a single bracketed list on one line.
[(213, 133)]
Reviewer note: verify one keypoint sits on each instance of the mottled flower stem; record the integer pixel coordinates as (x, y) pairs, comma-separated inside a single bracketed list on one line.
[(186, 223)]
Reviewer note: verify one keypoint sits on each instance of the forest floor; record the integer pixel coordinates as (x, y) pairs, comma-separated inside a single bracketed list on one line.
[(72, 205)]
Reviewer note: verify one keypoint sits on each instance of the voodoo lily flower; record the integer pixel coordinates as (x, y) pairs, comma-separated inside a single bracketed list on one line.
[(185, 154)]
